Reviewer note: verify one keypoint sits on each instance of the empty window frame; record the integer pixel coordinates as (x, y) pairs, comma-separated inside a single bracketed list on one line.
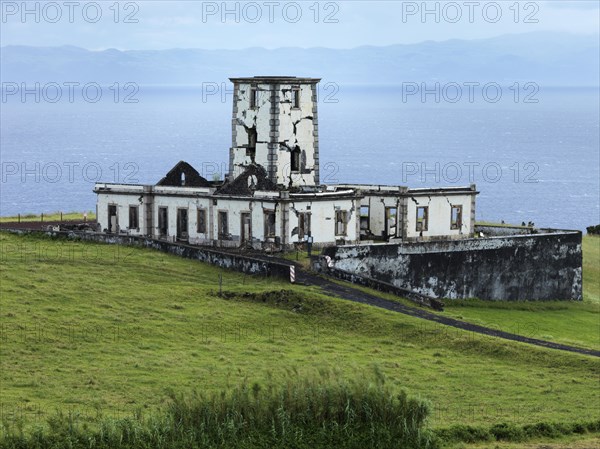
[(201, 221), (223, 225), (134, 217), (456, 217), (422, 218), (269, 217), (296, 97), (391, 214), (253, 97), (251, 148), (295, 160), (341, 222), (364, 218)]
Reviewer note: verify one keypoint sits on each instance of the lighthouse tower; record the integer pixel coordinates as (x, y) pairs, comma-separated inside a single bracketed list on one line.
[(275, 125)]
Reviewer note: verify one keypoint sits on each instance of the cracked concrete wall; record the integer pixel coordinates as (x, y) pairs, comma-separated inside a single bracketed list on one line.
[(122, 202), (246, 118), (377, 206), (172, 204), (280, 128), (439, 215), (532, 267), (322, 211), (323, 220), (406, 210), (256, 208), (233, 207)]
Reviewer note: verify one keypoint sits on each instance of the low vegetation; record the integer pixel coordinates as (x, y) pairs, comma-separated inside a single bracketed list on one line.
[(53, 216), (318, 412)]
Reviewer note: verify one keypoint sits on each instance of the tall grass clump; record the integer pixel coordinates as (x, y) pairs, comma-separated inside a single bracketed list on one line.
[(311, 412)]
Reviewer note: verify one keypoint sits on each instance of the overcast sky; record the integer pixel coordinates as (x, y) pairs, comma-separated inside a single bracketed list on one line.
[(272, 24)]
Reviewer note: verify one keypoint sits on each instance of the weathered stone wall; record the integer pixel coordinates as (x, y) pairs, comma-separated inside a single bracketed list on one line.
[(237, 262), (319, 264), (524, 267), (503, 230)]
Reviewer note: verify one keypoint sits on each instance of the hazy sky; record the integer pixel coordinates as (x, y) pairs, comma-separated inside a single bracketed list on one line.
[(271, 24)]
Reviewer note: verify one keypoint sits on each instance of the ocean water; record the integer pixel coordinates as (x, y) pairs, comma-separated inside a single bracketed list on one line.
[(534, 162)]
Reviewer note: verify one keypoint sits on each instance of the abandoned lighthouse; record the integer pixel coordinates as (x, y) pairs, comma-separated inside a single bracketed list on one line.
[(272, 197)]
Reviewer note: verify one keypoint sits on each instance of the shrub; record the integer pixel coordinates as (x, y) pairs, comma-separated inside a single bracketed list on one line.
[(546, 430), (510, 432), (593, 426), (507, 432), (310, 413), (593, 230)]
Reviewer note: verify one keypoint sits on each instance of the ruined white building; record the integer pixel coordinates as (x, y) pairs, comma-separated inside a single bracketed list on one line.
[(272, 198)]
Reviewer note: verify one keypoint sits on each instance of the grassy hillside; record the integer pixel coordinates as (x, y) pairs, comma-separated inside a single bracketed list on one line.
[(591, 269), (97, 330)]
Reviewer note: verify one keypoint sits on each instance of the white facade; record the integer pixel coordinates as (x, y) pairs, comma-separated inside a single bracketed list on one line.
[(267, 219), (396, 212), (432, 213), (272, 198)]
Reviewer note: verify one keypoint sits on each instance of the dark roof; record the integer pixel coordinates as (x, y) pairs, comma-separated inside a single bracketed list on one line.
[(245, 185), (191, 177)]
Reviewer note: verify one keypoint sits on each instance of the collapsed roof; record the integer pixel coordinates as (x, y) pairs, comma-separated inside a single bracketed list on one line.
[(183, 175)]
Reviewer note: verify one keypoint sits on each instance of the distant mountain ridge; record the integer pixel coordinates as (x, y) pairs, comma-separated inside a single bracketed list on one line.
[(556, 59)]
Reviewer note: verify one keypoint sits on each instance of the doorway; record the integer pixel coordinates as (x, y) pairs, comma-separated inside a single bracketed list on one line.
[(246, 224), (391, 215), (182, 224), (303, 225), (113, 222), (223, 226), (163, 222)]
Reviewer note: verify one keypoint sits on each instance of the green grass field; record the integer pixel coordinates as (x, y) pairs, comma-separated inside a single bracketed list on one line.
[(97, 330)]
